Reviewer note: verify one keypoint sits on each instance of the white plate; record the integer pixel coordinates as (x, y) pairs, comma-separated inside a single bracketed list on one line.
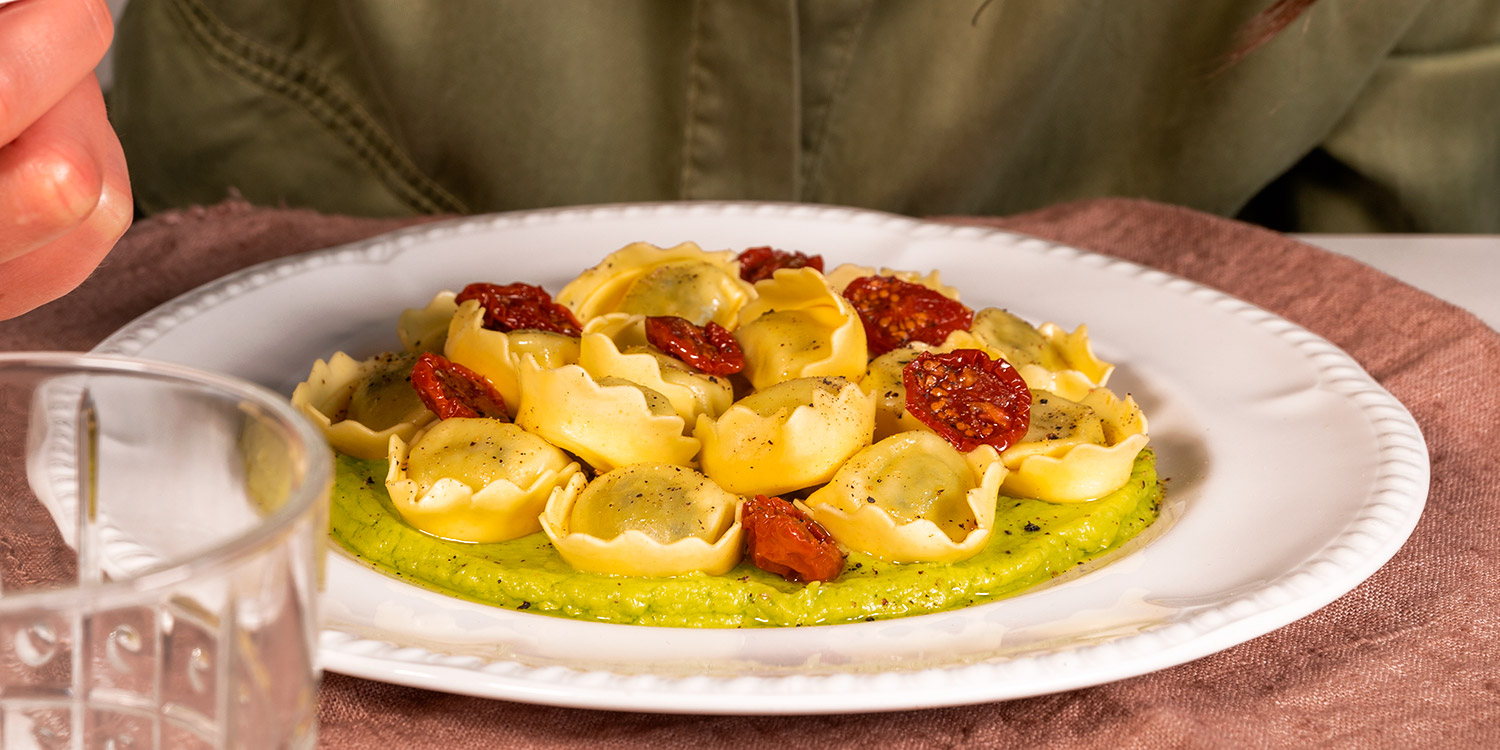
[(1293, 476)]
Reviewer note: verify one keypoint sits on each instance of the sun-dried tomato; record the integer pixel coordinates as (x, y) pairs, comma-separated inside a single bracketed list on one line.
[(519, 306), (759, 263), (781, 539), (896, 313), (450, 390), (711, 349), (968, 398)]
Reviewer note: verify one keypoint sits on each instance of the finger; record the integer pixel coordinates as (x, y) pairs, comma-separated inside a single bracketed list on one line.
[(52, 175), (46, 48), (56, 266), (39, 277)]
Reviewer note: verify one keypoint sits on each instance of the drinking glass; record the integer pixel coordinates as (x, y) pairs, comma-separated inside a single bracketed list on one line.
[(161, 540)]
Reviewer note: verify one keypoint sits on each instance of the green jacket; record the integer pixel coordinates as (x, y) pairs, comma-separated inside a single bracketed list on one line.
[(1363, 115)]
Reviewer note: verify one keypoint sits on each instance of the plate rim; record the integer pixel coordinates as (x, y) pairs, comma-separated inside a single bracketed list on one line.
[(1399, 492)]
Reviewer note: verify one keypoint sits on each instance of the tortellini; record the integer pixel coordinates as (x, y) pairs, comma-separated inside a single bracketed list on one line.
[(626, 330), (608, 423), (912, 498), (646, 520), (425, 329), (497, 354), (475, 480), (360, 405), (643, 279), (787, 437), (690, 392), (672, 453), (884, 383), (797, 327), (840, 277), (1075, 451), (1048, 357)]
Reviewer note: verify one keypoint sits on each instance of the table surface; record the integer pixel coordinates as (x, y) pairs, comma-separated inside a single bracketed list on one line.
[(1462, 269)]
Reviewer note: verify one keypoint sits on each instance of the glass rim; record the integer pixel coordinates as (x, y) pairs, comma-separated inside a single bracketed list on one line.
[(300, 501)]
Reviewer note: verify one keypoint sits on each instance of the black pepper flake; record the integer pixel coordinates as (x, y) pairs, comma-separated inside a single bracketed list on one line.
[(1032, 527), (524, 605), (1007, 532)]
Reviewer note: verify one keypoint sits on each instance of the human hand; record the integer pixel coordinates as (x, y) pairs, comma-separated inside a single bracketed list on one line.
[(64, 191)]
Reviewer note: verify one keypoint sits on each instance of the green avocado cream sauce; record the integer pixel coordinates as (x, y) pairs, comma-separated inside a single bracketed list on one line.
[(1034, 541)]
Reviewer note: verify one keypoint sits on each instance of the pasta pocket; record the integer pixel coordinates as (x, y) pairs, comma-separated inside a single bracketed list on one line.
[(912, 498), (722, 439), (475, 480), (644, 279), (883, 382), (1048, 357), (425, 329), (787, 437), (626, 330), (798, 327), (1075, 451), (645, 520), (840, 277), (690, 392), (496, 354), (608, 423), (361, 405)]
